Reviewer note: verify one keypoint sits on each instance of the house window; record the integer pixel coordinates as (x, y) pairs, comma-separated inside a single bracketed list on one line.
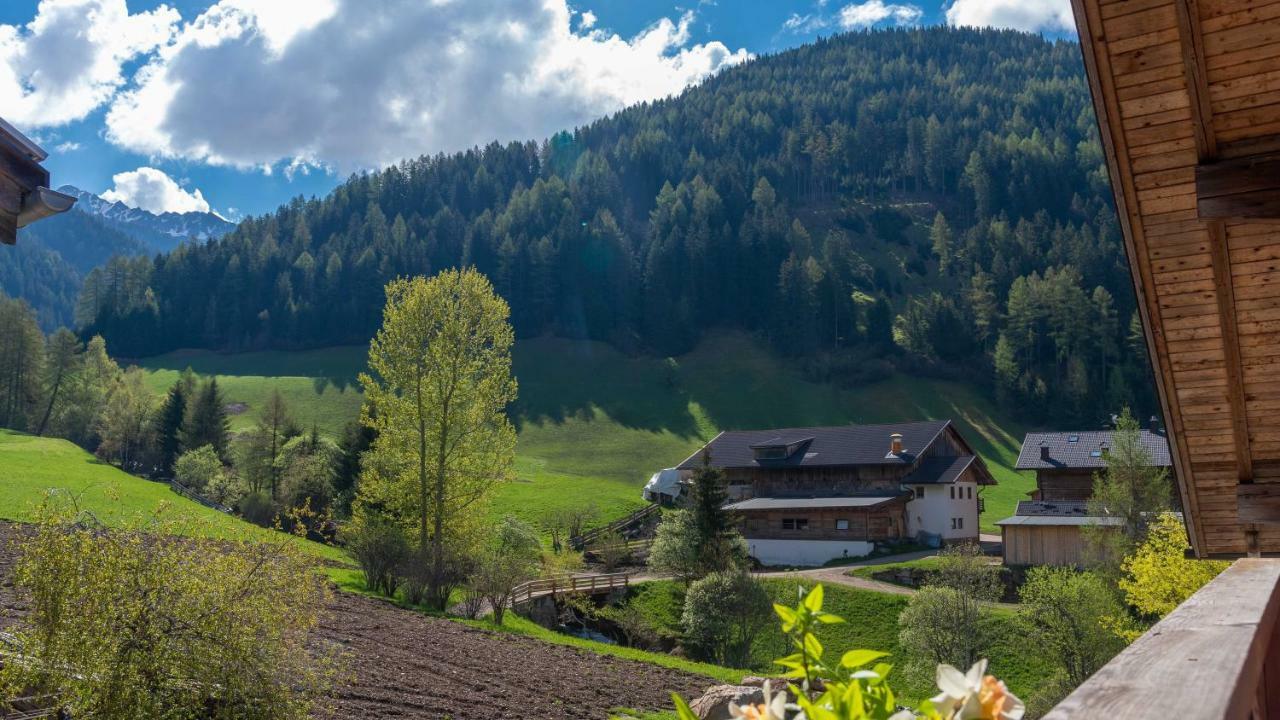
[(920, 491), (957, 523), (842, 524), (969, 493), (795, 523), (953, 492)]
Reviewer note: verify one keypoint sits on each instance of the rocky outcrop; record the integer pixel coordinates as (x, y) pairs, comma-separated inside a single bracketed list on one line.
[(714, 703)]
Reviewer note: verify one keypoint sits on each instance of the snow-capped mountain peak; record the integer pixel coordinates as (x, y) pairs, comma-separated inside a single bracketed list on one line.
[(162, 232)]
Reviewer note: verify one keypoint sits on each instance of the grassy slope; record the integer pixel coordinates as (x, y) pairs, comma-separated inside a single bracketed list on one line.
[(31, 465), (594, 424)]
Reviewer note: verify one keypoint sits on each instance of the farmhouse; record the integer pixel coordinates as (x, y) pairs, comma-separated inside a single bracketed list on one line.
[(808, 495), (1045, 530)]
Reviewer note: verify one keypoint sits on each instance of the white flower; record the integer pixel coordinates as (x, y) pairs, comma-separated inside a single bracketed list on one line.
[(773, 708), (975, 695)]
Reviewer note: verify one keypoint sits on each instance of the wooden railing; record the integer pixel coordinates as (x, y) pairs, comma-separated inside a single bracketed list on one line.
[(190, 494), (579, 542), (1216, 657), (571, 585)]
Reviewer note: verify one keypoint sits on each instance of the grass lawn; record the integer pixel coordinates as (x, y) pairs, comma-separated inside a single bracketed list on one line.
[(31, 465), (929, 563), (594, 424), (871, 622)]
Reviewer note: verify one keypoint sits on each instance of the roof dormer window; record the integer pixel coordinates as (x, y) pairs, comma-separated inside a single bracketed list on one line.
[(779, 448)]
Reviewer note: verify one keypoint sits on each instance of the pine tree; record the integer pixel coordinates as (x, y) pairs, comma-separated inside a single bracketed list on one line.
[(940, 236), (716, 530), (208, 424), (169, 428)]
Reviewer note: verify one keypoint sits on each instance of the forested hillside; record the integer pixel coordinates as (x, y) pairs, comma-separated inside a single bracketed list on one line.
[(933, 199)]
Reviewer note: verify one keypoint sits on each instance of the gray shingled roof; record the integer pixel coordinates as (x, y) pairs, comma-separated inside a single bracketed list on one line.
[(1057, 520), (1065, 454), (799, 503), (938, 470), (1054, 508), (842, 445)]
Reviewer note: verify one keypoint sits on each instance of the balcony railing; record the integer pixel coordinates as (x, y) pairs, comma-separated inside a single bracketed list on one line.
[(1213, 658)]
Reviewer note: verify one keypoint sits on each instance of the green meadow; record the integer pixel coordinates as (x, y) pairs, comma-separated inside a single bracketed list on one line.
[(594, 423), (31, 466)]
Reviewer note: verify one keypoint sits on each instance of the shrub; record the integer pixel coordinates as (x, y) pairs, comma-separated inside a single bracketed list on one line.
[(1072, 615), (381, 549), (127, 624), (226, 488), (257, 508), (722, 614), (198, 469), (509, 558), (941, 625)]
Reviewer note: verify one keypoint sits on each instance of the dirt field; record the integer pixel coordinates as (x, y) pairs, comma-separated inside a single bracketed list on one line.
[(405, 665)]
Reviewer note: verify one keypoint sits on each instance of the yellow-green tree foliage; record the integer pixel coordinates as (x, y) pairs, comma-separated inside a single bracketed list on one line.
[(138, 623), (437, 393), (1158, 576)]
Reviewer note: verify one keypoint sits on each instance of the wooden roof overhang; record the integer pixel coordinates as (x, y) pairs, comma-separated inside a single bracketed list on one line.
[(1187, 94), (25, 196)]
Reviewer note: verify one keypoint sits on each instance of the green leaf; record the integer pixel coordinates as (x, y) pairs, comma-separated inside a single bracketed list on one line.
[(813, 601), (858, 658), (829, 618), (682, 708), (787, 615), (812, 647)]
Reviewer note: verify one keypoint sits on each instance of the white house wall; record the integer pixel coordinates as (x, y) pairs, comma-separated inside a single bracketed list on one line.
[(933, 512)]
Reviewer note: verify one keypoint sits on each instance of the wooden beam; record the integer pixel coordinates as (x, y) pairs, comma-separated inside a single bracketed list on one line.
[(1259, 503), (24, 171), (1191, 41), (1225, 292), (8, 229), (1246, 187)]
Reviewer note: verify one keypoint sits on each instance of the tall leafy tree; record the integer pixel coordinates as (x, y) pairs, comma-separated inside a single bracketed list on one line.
[(440, 378), (1132, 493), (21, 359)]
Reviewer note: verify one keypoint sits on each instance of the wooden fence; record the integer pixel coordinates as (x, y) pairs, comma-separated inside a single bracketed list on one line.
[(190, 494), (572, 585), (580, 542)]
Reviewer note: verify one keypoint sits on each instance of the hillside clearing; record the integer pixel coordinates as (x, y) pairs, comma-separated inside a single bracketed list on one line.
[(594, 424)]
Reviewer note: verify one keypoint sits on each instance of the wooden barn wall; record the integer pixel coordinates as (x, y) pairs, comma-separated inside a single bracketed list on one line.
[(884, 523), (1032, 545)]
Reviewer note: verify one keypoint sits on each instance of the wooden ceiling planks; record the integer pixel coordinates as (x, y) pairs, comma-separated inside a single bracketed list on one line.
[(1181, 88)]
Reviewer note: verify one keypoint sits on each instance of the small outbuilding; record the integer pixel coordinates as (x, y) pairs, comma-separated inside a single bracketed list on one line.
[(1047, 533)]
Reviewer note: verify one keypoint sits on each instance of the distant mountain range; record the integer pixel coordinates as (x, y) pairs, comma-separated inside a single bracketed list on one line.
[(161, 232), (53, 256)]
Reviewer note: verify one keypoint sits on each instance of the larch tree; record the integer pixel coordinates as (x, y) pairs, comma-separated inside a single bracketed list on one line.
[(125, 422), (62, 359), (440, 378), (1131, 493)]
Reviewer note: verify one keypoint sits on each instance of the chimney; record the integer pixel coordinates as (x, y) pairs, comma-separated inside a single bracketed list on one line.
[(895, 444), (1044, 450), (1154, 425)]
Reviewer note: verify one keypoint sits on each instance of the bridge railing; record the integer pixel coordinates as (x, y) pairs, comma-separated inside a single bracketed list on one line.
[(567, 585), (579, 542)]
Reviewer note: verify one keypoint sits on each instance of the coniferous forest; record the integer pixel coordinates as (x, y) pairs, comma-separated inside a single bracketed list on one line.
[(933, 200)]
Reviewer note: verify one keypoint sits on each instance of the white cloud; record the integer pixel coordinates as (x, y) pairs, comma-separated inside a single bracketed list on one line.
[(67, 61), (874, 12), (587, 20), (151, 189), (68, 146), (808, 23), (1028, 15), (362, 83)]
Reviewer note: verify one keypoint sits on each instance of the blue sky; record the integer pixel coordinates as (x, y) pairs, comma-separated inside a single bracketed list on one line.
[(239, 105)]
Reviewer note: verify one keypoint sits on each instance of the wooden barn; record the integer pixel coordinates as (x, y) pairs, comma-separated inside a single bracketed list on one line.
[(808, 495), (1187, 94), (25, 196), (1065, 462)]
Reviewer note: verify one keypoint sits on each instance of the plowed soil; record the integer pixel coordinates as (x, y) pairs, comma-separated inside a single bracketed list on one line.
[(401, 664)]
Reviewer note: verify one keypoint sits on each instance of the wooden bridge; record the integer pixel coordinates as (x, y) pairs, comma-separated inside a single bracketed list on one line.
[(558, 587), (621, 525)]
